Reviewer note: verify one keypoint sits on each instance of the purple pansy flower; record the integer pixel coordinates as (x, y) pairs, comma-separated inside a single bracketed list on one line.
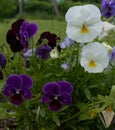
[(17, 36), (112, 54), (18, 88), (43, 51), (57, 94), (66, 43), (108, 8), (27, 30)]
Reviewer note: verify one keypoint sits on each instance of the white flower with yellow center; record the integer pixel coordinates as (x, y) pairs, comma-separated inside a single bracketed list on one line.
[(94, 57), (83, 23)]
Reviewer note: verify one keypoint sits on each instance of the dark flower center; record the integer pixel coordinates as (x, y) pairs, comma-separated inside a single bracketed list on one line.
[(55, 105), (16, 98)]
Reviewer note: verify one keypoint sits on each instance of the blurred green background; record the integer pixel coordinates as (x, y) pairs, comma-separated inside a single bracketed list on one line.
[(39, 9)]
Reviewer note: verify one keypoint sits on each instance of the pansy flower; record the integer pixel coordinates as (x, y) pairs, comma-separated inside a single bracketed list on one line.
[(112, 54), (107, 27), (17, 36), (50, 37), (66, 43), (108, 8), (18, 88), (83, 23), (57, 94), (94, 57)]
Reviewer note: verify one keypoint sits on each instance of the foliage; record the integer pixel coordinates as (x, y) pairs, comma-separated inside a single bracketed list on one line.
[(8, 9)]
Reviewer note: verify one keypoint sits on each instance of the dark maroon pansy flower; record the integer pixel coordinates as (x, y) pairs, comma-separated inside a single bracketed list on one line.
[(50, 37), (12, 36), (18, 88), (43, 51), (17, 36), (108, 8), (57, 94)]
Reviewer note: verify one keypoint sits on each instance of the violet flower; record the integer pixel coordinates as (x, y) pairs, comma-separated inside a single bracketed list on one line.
[(112, 54), (43, 51), (66, 43), (27, 30), (57, 94), (18, 88), (108, 8), (17, 36)]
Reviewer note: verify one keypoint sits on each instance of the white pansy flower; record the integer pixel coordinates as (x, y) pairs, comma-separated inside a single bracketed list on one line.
[(83, 23), (94, 57), (107, 27)]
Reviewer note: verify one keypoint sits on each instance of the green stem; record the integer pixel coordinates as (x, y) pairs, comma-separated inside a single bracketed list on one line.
[(77, 114)]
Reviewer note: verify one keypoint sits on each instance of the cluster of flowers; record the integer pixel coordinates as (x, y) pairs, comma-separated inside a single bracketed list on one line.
[(84, 25)]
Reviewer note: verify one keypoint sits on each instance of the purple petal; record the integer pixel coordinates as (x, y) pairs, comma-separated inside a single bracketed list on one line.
[(32, 29), (65, 86), (65, 98), (2, 61), (26, 93), (52, 87), (14, 80), (27, 81), (23, 27), (9, 90), (55, 105), (48, 97)]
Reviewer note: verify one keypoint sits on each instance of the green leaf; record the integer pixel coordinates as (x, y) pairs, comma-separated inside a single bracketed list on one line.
[(38, 113), (56, 119), (48, 75), (42, 112), (81, 105), (4, 114), (87, 93), (97, 110), (84, 116)]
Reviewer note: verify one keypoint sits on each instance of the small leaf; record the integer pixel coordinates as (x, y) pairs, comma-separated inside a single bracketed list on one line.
[(56, 119), (38, 112), (87, 93), (84, 116)]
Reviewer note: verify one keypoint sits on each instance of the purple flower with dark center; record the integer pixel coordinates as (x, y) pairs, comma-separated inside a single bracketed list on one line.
[(57, 94), (66, 43), (18, 88), (50, 37), (17, 36), (108, 8), (43, 51), (2, 61)]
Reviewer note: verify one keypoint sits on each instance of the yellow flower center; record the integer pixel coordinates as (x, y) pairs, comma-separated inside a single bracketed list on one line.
[(92, 64), (84, 29), (108, 109)]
